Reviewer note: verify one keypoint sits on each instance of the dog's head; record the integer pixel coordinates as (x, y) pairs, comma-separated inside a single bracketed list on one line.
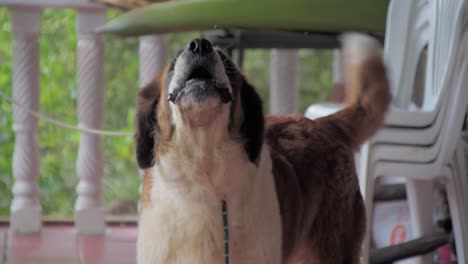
[(201, 91)]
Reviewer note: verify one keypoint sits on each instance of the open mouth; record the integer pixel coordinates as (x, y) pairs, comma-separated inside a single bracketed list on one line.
[(199, 73), (200, 84)]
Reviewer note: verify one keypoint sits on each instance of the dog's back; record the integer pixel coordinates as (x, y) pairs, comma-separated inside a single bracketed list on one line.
[(322, 210)]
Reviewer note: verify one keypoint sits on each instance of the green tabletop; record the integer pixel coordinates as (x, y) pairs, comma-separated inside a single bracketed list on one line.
[(291, 15)]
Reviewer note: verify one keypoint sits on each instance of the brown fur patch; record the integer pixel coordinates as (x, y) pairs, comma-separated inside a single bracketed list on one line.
[(164, 117), (322, 209), (147, 185), (153, 126)]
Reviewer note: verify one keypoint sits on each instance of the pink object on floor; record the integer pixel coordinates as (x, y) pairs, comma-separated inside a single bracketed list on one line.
[(445, 255), (60, 245)]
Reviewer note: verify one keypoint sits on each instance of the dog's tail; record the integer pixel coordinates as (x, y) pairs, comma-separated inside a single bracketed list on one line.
[(368, 93)]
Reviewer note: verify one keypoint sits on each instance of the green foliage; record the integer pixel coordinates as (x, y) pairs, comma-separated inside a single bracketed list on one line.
[(6, 122), (58, 147)]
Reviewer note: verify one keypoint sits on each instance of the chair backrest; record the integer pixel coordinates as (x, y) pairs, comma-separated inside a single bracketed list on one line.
[(447, 26), (407, 34), (458, 99), (415, 27)]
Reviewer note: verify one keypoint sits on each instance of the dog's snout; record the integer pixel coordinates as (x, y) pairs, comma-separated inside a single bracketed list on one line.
[(200, 46)]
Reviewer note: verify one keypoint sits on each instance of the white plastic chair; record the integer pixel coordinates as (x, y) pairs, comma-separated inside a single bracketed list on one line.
[(420, 139), (412, 26), (420, 174), (407, 33)]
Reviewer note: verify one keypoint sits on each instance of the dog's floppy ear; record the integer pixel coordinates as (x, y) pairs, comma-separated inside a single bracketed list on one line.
[(253, 122), (146, 124)]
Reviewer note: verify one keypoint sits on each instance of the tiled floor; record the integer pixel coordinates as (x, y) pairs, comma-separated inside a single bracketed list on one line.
[(60, 245)]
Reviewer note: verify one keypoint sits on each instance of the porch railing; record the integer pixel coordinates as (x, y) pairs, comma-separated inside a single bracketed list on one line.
[(25, 214)]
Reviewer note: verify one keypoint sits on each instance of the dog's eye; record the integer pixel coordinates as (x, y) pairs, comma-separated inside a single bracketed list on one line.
[(173, 62), (171, 67)]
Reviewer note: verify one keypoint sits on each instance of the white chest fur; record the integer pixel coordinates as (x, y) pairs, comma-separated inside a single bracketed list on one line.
[(184, 224)]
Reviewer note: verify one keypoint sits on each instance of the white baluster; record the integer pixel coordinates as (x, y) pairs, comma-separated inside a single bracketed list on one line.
[(89, 211), (338, 76), (153, 57), (338, 93), (26, 208), (283, 81)]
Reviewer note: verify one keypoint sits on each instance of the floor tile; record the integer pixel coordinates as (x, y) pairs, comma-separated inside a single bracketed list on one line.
[(61, 245), (122, 233), (53, 245), (117, 246)]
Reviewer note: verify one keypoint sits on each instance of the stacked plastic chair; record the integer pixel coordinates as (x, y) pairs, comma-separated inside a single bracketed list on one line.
[(421, 143)]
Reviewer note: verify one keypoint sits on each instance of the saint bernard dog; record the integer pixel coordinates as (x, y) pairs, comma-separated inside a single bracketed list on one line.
[(289, 183)]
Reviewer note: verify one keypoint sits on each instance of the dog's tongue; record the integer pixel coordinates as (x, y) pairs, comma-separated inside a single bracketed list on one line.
[(201, 84)]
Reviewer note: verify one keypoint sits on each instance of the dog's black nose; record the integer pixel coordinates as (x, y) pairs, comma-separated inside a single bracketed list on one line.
[(200, 46)]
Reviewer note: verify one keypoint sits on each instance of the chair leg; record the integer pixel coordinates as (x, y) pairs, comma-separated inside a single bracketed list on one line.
[(369, 204), (457, 187), (419, 193), (366, 185)]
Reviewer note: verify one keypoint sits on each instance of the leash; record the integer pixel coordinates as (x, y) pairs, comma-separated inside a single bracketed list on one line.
[(226, 231)]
